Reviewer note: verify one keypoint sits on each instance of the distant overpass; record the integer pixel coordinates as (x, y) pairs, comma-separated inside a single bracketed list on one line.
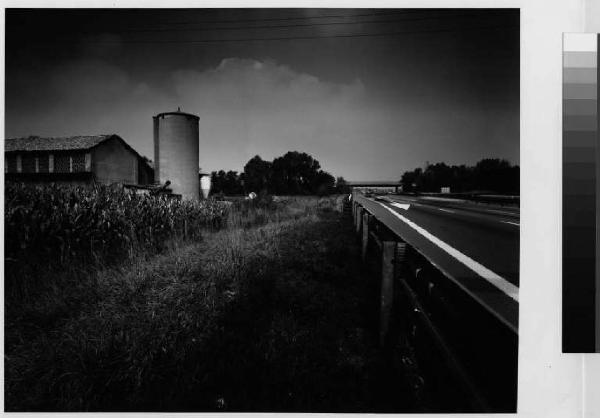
[(395, 184)]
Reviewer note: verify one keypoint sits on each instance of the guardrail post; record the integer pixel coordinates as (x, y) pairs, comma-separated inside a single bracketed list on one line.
[(400, 272), (359, 212), (387, 288), (365, 234), (400, 256)]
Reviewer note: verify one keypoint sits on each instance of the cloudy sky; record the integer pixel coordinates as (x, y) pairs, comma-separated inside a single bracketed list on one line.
[(369, 93)]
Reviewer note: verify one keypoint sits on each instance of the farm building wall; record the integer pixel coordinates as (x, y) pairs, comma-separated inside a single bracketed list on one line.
[(45, 179), (112, 162), (145, 173), (39, 167)]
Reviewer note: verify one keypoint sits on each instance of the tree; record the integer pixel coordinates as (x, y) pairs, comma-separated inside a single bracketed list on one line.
[(341, 186), (496, 175), (228, 183), (217, 182), (411, 180), (323, 183), (257, 175), (295, 173), (488, 175), (233, 185)]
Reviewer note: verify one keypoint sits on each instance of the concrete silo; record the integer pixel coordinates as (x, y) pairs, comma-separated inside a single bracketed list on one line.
[(176, 145)]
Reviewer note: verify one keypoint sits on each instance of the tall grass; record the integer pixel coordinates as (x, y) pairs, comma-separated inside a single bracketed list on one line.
[(243, 319), (58, 231), (267, 209)]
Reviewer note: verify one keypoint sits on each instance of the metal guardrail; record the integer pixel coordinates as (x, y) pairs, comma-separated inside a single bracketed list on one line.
[(454, 338)]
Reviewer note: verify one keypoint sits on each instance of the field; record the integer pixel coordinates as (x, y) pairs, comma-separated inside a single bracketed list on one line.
[(48, 228), (266, 309)]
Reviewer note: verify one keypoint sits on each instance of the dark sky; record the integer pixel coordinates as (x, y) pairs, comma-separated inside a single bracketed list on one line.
[(369, 93)]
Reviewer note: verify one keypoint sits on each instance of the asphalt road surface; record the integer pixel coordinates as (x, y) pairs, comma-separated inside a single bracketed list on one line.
[(475, 245)]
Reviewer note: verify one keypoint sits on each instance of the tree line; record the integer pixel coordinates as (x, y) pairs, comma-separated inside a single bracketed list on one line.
[(295, 173), (488, 175)]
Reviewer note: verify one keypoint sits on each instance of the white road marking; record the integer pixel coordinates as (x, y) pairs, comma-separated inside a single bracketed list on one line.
[(499, 282), (404, 206), (501, 212), (446, 210), (512, 223)]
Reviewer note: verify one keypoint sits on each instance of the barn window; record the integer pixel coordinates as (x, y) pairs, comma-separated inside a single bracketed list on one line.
[(43, 164), (78, 162), (28, 163), (11, 163), (62, 163)]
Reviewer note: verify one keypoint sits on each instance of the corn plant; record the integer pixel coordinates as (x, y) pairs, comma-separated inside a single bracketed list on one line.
[(55, 226)]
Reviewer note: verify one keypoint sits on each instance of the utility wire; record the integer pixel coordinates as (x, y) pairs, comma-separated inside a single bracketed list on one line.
[(288, 26), (163, 27), (385, 13), (360, 35)]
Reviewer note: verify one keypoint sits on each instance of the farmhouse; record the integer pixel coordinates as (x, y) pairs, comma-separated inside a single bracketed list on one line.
[(103, 159)]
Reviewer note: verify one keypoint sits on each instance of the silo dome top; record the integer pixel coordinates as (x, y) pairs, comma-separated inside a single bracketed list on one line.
[(178, 112)]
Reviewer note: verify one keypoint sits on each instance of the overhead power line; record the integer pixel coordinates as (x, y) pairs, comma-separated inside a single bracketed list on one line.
[(164, 26), (358, 22), (337, 16), (359, 35)]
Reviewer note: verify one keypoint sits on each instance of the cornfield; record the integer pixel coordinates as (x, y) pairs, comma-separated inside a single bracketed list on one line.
[(48, 227)]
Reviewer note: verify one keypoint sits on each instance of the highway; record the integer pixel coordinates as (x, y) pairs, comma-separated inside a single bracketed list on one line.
[(474, 245)]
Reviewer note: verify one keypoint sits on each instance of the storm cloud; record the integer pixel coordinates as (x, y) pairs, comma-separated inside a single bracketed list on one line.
[(367, 112)]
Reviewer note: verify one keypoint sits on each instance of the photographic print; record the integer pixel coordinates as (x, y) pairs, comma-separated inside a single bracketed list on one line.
[(581, 194), (262, 210)]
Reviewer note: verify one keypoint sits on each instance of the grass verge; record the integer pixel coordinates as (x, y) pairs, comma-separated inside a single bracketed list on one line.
[(274, 314)]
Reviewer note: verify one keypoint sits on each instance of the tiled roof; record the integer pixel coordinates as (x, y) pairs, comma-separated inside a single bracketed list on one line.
[(35, 143)]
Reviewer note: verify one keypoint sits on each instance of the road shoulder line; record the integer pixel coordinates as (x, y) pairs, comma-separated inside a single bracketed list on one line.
[(497, 281)]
